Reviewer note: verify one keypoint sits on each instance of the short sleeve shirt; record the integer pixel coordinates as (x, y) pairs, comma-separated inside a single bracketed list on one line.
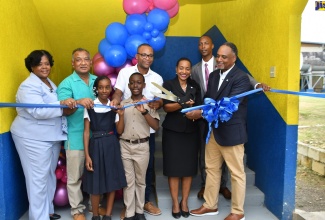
[(135, 125), (74, 87), (122, 82)]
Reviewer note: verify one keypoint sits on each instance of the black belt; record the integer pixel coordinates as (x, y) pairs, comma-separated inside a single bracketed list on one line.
[(136, 141), (99, 134)]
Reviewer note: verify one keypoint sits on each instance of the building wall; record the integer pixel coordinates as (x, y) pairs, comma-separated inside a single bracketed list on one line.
[(21, 32), (267, 34)]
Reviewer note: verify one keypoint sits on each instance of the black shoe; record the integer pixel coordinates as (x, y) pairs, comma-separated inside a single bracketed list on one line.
[(55, 216), (95, 218), (129, 218), (183, 213), (176, 215), (106, 217), (139, 216)]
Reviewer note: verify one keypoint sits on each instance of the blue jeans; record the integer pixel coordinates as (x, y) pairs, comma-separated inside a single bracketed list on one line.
[(150, 169)]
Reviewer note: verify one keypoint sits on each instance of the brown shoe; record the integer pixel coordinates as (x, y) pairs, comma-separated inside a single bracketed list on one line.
[(122, 216), (101, 211), (202, 211), (200, 193), (233, 216), (151, 209), (79, 216), (225, 192)]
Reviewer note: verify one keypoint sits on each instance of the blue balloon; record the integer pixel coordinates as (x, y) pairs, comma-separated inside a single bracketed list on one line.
[(103, 46), (132, 43), (154, 33), (135, 23), (148, 27), (159, 18), (116, 33), (157, 43), (115, 56), (146, 35)]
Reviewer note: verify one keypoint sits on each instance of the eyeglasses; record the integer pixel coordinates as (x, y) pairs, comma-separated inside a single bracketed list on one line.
[(144, 55)]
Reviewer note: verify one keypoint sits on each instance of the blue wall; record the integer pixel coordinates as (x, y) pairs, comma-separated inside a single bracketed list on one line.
[(13, 196), (272, 153)]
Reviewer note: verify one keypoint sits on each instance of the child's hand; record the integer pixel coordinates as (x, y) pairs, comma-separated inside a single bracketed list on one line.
[(140, 108), (89, 164), (120, 110)]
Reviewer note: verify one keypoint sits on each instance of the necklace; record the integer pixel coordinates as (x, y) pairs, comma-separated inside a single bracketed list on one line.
[(184, 87)]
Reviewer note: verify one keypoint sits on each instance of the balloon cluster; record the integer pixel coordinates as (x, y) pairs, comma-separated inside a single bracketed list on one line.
[(146, 22), (61, 193)]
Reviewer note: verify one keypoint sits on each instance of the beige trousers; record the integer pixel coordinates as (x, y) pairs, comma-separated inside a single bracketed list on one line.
[(214, 157), (75, 168), (135, 158)]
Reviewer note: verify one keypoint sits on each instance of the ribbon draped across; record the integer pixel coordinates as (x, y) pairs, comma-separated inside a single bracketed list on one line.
[(222, 110), (31, 105)]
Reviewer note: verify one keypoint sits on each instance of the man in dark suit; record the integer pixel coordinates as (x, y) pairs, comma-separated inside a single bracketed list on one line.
[(226, 142), (200, 73)]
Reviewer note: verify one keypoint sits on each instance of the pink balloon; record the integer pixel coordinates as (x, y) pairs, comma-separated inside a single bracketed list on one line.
[(64, 169), (134, 61), (126, 64), (64, 178), (151, 6), (58, 173), (101, 68), (113, 78), (96, 56), (61, 195), (165, 4), (61, 162), (173, 11), (118, 194), (135, 6)]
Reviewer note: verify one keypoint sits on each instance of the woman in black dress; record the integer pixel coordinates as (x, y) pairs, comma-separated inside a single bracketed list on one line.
[(104, 171), (180, 138)]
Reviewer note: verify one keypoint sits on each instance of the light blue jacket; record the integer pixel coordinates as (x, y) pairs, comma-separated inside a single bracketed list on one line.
[(43, 124)]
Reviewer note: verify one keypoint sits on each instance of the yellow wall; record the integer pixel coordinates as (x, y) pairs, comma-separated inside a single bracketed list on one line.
[(21, 32), (76, 23), (267, 33)]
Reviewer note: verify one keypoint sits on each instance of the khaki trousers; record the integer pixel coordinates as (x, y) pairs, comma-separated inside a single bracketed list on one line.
[(135, 158), (75, 168), (215, 155)]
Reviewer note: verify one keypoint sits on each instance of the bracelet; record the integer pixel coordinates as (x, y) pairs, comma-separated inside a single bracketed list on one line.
[(144, 113)]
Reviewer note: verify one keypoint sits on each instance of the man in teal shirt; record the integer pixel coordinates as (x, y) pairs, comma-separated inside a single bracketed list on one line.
[(79, 86)]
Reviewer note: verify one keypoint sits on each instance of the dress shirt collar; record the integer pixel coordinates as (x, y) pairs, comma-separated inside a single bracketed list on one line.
[(100, 109)]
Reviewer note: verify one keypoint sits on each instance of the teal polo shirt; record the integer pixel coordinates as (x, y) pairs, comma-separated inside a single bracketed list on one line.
[(74, 87)]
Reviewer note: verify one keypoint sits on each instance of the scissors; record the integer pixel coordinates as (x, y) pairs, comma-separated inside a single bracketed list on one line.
[(168, 95)]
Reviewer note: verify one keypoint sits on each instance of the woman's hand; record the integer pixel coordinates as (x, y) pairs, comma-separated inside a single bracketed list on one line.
[(89, 164), (194, 115), (70, 102), (190, 103)]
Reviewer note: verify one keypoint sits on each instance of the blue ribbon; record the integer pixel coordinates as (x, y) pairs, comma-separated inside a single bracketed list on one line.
[(315, 95), (222, 110), (31, 105)]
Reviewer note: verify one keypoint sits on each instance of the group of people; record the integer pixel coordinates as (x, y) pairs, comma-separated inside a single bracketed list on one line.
[(112, 148)]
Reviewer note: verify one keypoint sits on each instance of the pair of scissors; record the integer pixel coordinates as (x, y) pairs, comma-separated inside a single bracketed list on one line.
[(168, 95)]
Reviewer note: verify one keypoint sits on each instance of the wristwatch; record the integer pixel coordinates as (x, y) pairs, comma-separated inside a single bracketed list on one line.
[(144, 113)]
